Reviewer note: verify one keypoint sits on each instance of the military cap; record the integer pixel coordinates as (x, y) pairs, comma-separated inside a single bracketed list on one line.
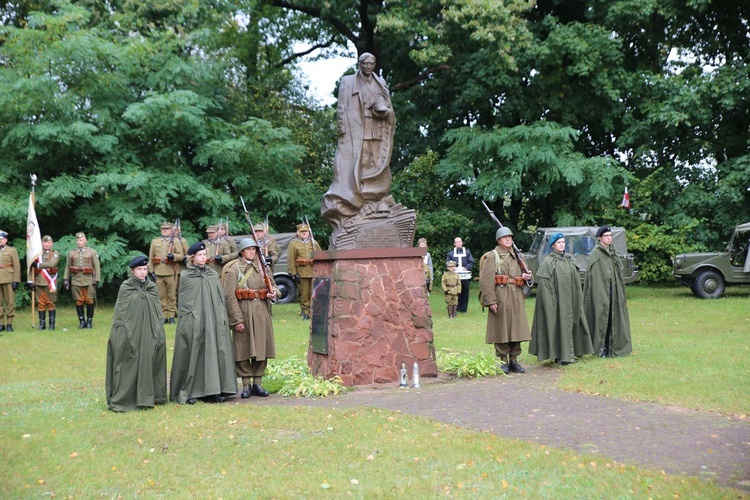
[(212, 229), (166, 225), (196, 247), (139, 261), (46, 237), (3, 234), (602, 230), (260, 227), (303, 227), (247, 242), (80, 234), (554, 238), (503, 231), (451, 263)]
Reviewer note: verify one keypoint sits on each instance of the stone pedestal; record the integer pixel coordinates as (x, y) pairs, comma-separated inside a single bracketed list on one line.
[(377, 316)]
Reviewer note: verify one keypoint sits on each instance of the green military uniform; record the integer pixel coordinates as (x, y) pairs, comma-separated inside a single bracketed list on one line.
[(45, 284), (82, 274), (559, 330), (203, 363), (606, 307), (163, 255), (451, 283), (136, 351), (299, 263), (10, 277), (245, 292), (501, 284)]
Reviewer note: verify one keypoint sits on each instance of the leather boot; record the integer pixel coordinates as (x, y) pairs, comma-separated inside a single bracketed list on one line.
[(257, 390), (52, 318), (81, 317), (2, 328), (247, 391), (516, 367), (89, 314), (450, 311), (504, 366), (42, 320), (8, 328)]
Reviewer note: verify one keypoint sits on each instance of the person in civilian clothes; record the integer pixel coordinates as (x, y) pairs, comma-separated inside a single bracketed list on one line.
[(464, 264)]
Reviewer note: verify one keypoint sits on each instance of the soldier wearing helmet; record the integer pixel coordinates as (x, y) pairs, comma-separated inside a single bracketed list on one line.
[(501, 281)]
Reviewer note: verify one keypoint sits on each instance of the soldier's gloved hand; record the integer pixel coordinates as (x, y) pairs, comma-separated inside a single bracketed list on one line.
[(14, 285), (170, 256), (30, 285), (66, 284), (152, 277), (269, 260), (296, 278), (96, 285), (218, 259)]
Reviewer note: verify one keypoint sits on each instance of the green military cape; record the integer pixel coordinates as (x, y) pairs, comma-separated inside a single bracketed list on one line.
[(606, 307), (136, 351), (203, 363), (559, 330)]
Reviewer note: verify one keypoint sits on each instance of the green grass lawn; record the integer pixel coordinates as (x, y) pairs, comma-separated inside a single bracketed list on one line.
[(58, 439)]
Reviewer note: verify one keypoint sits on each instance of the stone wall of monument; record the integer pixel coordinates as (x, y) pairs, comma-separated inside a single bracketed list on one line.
[(378, 315)]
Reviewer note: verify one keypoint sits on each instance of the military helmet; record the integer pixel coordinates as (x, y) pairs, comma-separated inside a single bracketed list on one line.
[(248, 242), (503, 231)]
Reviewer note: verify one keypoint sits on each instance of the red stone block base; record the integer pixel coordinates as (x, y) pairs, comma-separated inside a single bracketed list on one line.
[(378, 316)]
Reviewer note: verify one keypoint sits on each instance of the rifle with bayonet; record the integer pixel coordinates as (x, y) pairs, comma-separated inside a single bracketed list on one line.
[(312, 237), (519, 256), (170, 250), (261, 260)]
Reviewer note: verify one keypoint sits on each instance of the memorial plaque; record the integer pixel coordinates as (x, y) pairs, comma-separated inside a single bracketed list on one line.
[(321, 294)]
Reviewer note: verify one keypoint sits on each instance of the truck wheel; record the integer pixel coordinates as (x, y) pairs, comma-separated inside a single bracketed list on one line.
[(709, 285), (286, 287)]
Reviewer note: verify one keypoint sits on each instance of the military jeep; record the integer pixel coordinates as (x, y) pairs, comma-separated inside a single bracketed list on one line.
[(709, 273), (580, 242)]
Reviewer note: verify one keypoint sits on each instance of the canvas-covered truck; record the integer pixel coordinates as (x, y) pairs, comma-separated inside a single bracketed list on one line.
[(580, 242), (709, 273)]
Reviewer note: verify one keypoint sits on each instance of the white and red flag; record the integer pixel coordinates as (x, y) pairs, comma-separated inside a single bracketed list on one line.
[(33, 236), (625, 203)]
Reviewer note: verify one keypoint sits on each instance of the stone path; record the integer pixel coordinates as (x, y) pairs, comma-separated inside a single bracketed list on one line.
[(529, 407)]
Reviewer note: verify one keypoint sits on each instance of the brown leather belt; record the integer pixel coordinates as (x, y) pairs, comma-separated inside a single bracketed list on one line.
[(504, 279), (3, 266), (157, 260), (247, 294), (82, 270), (304, 262), (51, 270)]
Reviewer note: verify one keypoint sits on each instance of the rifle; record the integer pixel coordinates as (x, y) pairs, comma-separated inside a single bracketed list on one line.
[(171, 238), (262, 263), (521, 262), (312, 238), (265, 239)]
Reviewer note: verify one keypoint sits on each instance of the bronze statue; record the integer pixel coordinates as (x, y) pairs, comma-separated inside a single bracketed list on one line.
[(361, 183)]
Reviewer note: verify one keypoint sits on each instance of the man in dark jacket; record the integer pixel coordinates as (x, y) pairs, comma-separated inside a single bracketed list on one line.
[(464, 264)]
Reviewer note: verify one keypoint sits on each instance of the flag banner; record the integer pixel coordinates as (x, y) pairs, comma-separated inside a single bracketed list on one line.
[(33, 237), (625, 203)]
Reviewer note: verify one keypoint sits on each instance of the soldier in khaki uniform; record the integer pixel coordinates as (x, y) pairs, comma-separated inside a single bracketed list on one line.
[(82, 276), (45, 282), (299, 262), (269, 249), (248, 298), (219, 250), (227, 246), (451, 283), (10, 277), (165, 251)]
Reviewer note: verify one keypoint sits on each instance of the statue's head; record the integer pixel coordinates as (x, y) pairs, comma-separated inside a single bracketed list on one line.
[(367, 63)]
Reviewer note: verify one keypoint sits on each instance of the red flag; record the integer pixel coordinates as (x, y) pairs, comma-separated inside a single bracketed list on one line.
[(625, 203)]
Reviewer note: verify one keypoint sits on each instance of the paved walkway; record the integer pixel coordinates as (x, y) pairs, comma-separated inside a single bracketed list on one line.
[(529, 407)]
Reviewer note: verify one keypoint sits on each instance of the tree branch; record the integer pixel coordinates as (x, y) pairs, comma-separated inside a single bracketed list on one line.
[(318, 14), (422, 76), (297, 55)]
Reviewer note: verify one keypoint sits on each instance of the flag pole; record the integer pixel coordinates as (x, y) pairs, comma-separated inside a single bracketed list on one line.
[(29, 272)]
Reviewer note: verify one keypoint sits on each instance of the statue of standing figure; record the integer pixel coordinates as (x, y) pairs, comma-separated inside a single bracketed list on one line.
[(359, 193)]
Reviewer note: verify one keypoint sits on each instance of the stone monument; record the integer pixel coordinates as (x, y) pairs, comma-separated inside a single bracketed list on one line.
[(370, 310)]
